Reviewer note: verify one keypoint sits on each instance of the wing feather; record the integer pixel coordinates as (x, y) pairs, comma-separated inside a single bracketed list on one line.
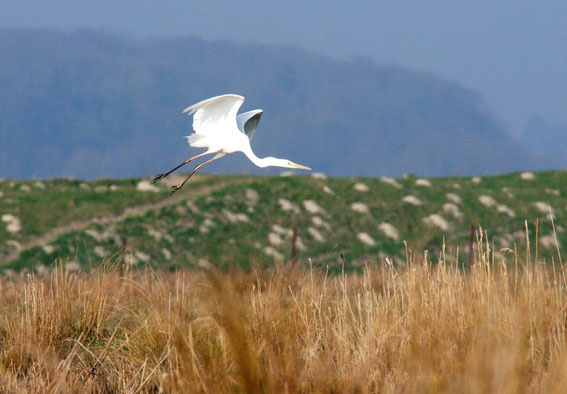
[(216, 114), (248, 122)]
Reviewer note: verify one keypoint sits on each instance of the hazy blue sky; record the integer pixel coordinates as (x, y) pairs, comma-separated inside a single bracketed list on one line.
[(513, 52)]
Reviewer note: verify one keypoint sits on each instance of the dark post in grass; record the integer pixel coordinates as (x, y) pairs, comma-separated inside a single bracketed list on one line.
[(471, 244), (294, 247)]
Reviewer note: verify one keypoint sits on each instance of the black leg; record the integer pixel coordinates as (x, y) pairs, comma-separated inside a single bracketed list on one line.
[(161, 176), (176, 188)]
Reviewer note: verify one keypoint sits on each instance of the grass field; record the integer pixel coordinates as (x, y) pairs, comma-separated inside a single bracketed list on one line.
[(388, 295), (249, 220), (496, 326)]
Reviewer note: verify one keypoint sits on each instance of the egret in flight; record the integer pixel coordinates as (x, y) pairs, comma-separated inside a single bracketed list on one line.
[(219, 130)]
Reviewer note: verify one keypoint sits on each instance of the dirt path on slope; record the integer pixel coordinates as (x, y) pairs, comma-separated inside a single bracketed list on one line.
[(140, 210)]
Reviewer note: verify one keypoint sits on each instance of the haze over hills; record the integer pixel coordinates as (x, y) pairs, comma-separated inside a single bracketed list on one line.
[(546, 140), (89, 104)]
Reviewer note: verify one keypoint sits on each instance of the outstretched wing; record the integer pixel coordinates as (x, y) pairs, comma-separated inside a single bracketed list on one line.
[(248, 122), (215, 114)]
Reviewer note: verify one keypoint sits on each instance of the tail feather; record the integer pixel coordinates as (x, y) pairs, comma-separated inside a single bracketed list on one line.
[(197, 140)]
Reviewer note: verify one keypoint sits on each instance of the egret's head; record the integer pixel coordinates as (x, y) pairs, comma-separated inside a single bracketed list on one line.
[(285, 163)]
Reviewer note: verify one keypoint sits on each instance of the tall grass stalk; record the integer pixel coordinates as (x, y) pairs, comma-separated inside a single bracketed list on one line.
[(429, 326)]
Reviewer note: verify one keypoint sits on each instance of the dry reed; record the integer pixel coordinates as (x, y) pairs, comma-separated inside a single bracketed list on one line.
[(496, 326)]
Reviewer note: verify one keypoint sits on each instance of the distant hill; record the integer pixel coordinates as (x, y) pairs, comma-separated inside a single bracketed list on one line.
[(90, 104)]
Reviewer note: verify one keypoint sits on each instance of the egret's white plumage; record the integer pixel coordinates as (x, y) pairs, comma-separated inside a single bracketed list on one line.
[(219, 130)]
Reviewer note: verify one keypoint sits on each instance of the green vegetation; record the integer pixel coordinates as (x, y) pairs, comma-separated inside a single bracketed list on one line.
[(249, 220)]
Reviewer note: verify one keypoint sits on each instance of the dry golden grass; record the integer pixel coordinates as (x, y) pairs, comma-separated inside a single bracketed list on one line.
[(494, 327)]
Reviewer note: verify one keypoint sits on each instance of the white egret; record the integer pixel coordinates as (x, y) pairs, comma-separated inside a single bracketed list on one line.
[(220, 131)]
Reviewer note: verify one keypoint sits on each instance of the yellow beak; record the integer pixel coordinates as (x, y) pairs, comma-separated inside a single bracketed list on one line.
[(300, 166)]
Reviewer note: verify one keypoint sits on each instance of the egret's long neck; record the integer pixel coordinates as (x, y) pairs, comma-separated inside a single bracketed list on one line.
[(260, 162)]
